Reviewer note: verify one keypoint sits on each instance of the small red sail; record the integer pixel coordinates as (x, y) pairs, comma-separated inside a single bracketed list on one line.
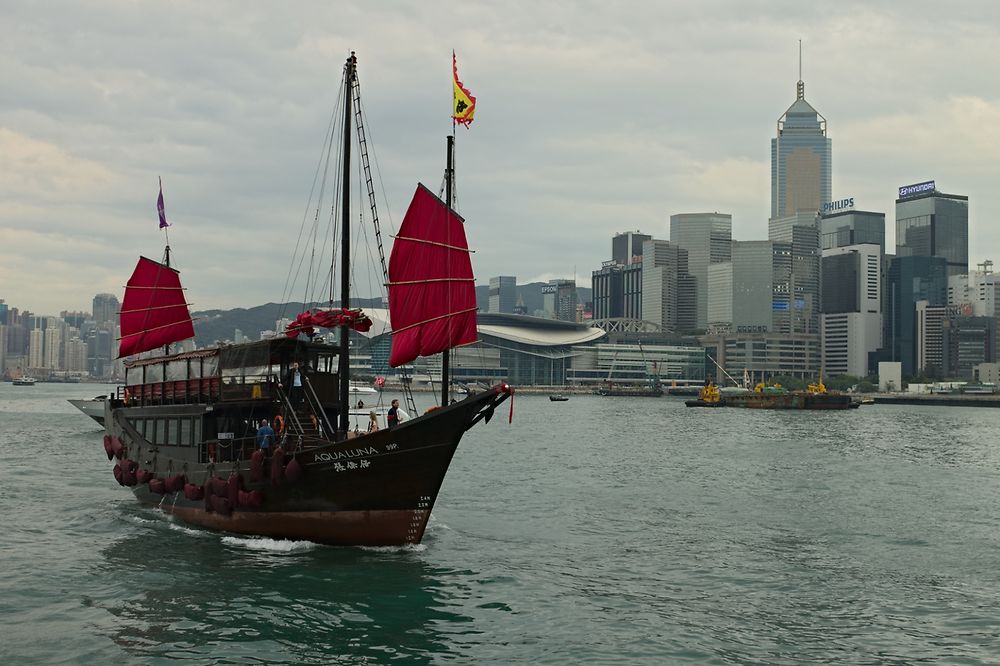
[(154, 311), (432, 291)]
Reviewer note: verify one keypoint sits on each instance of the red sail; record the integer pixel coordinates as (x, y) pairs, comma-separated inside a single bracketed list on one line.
[(154, 312), (432, 292)]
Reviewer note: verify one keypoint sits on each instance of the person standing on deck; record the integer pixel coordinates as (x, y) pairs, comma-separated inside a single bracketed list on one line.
[(265, 436), (396, 414), (294, 385)]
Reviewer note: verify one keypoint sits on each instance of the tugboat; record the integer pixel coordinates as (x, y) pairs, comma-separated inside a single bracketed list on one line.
[(775, 396), (182, 429)]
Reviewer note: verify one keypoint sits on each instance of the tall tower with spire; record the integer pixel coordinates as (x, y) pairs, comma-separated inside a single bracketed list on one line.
[(801, 157)]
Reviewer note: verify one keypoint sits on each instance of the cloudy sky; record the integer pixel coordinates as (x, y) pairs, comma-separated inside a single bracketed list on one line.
[(592, 118)]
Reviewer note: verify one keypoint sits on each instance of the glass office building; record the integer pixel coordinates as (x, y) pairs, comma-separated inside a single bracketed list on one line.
[(854, 227), (801, 160), (933, 224), (911, 279), (707, 237)]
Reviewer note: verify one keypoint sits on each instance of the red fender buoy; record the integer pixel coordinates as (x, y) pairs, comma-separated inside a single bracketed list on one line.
[(219, 487), (221, 505), (293, 470), (277, 466), (107, 447), (257, 466), (157, 486), (129, 468), (175, 483), (193, 492), (144, 476), (251, 499), (233, 488), (118, 448), (119, 476)]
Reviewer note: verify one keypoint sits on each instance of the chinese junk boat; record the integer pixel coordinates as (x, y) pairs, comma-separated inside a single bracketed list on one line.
[(181, 430), (773, 397)]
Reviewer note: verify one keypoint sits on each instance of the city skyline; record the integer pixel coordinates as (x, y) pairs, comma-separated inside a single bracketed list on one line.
[(233, 119)]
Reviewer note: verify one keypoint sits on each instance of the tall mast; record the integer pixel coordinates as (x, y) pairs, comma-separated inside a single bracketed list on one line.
[(449, 193), (350, 70)]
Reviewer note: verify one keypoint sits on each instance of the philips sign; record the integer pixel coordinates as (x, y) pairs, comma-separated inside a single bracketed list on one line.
[(839, 206), (914, 190)]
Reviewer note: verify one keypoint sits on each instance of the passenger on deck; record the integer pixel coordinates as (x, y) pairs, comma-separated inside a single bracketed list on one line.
[(265, 437), (294, 385), (396, 414), (372, 421)]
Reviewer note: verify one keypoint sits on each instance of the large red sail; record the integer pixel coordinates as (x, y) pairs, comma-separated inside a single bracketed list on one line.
[(154, 311), (432, 291)]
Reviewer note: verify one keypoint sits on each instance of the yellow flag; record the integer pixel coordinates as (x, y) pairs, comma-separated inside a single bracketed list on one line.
[(463, 105)]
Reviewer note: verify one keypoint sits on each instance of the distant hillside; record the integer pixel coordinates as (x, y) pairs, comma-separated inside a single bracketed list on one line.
[(213, 326)]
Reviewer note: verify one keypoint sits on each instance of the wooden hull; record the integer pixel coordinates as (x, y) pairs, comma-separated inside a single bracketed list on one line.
[(374, 489)]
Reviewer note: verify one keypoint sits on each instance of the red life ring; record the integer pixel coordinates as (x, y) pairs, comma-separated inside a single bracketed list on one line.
[(279, 424)]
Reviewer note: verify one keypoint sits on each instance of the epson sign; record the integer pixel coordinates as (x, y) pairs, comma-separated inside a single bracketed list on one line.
[(914, 190), (837, 206)]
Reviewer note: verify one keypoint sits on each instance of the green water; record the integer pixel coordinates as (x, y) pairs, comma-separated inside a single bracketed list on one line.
[(597, 531)]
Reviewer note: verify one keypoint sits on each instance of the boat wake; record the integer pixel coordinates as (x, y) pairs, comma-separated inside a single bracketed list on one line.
[(269, 545), (405, 548)]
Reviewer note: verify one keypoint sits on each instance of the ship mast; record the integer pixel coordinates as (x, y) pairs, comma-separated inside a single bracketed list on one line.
[(449, 181), (344, 367)]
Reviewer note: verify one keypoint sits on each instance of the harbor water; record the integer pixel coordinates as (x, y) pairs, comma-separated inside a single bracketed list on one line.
[(592, 531)]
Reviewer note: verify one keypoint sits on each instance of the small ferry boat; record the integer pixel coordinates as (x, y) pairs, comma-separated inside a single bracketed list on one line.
[(24, 381), (558, 397)]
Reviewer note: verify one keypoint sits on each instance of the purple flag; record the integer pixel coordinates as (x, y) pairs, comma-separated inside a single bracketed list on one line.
[(159, 208)]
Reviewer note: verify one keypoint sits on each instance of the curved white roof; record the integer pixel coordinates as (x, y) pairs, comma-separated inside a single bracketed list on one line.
[(524, 330), (541, 336)]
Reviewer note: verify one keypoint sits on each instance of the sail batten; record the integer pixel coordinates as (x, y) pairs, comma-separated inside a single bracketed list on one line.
[(154, 311), (432, 292)]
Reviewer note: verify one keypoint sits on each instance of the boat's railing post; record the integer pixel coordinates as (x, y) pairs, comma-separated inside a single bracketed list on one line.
[(289, 408), (314, 402)]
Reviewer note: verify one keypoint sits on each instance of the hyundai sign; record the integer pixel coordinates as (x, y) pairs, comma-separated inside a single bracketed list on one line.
[(914, 190)]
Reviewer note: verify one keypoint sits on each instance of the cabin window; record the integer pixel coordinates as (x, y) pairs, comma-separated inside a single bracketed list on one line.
[(177, 370), (149, 432), (187, 432), (173, 431), (210, 366), (154, 373), (161, 431)]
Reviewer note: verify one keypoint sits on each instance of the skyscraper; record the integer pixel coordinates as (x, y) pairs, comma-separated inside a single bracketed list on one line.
[(852, 320), (626, 246), (852, 227), (105, 308), (933, 224), (503, 294), (707, 237), (667, 293), (801, 158), (911, 279), (796, 292)]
